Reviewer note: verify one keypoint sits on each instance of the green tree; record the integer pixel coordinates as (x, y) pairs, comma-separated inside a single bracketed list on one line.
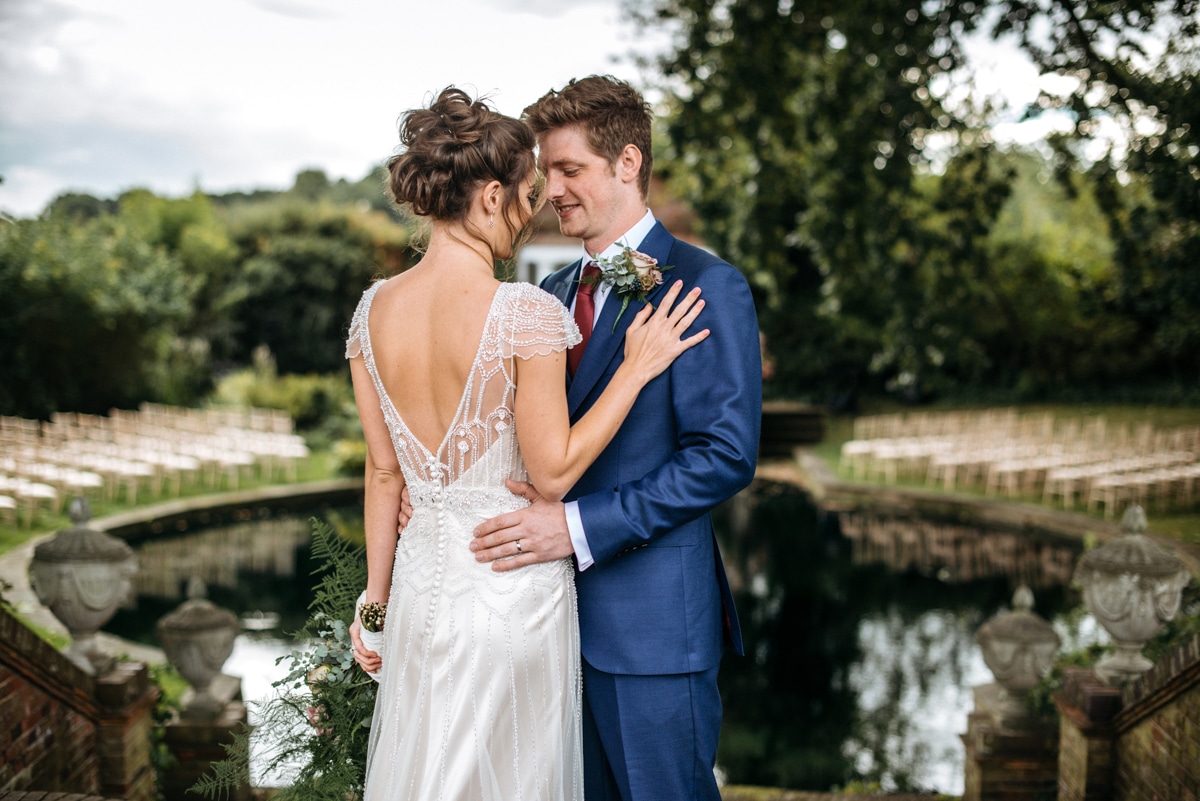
[(190, 230), (822, 150), (87, 311), (302, 270), (1052, 325), (111, 302), (1133, 67), (797, 133)]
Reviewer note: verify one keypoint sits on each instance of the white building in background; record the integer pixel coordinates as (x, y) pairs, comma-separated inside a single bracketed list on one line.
[(538, 260)]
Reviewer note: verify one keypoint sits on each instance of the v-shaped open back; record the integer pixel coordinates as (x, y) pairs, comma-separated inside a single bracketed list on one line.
[(522, 321), (438, 451)]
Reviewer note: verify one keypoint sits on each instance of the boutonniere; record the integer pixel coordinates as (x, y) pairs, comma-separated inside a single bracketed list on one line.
[(630, 273)]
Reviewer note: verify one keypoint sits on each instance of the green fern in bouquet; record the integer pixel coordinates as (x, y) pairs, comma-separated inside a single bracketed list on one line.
[(316, 726)]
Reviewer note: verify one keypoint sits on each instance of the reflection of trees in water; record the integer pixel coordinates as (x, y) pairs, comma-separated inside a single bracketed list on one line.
[(912, 681), (259, 565), (220, 556), (789, 699), (856, 668), (958, 553)]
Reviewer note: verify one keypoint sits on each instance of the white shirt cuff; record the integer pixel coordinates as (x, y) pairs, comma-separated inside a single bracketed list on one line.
[(583, 554)]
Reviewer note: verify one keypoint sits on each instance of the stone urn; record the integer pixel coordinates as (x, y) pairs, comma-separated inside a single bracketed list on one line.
[(197, 638), (1019, 648), (82, 576), (1131, 586)]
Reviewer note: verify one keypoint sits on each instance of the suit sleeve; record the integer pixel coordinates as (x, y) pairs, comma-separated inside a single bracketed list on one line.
[(716, 399)]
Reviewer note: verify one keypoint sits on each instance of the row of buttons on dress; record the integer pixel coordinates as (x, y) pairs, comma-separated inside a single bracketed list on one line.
[(439, 503)]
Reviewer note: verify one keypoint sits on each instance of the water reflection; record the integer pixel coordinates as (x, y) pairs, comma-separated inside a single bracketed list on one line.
[(221, 557), (248, 567), (957, 553), (261, 570), (860, 641)]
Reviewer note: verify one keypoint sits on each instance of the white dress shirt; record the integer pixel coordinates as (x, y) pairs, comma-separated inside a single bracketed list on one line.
[(633, 238)]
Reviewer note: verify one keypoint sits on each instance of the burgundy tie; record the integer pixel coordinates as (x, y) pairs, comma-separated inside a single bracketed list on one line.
[(585, 310)]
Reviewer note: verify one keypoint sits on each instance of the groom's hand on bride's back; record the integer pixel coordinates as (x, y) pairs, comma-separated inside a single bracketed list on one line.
[(537, 533)]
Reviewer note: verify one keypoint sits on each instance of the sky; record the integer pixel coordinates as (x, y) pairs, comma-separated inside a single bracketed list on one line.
[(227, 95)]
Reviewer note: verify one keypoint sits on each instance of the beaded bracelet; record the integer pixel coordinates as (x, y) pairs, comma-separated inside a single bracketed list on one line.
[(372, 616)]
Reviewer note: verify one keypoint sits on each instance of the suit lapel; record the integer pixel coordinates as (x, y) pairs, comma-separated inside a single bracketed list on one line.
[(605, 342), (564, 288)]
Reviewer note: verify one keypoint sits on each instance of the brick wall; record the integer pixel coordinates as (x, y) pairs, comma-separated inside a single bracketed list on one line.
[(1140, 742), (48, 717), (1157, 748)]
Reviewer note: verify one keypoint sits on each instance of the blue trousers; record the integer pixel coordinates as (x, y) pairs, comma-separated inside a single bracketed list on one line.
[(650, 738)]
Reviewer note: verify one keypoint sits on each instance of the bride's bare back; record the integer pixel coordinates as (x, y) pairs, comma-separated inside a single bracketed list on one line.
[(436, 387), (426, 336)]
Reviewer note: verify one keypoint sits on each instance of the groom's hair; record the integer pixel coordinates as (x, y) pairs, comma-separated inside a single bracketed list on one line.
[(611, 113)]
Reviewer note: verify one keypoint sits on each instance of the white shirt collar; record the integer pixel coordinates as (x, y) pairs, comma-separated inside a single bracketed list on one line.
[(632, 238)]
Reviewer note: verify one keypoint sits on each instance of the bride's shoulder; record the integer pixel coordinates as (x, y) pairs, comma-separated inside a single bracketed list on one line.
[(358, 333), (530, 316), (522, 298), (368, 294)]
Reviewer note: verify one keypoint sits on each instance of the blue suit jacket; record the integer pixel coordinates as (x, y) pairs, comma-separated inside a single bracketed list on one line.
[(657, 601)]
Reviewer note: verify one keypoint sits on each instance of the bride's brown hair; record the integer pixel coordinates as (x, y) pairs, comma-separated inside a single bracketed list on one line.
[(454, 147)]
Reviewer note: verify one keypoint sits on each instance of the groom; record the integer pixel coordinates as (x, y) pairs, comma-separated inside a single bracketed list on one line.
[(655, 612)]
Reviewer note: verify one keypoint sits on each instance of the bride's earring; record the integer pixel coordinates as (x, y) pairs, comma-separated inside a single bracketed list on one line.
[(492, 219)]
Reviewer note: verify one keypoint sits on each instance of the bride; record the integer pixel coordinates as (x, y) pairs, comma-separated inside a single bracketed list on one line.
[(460, 384)]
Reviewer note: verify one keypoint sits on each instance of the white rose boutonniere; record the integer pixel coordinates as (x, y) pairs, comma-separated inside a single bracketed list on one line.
[(631, 274)]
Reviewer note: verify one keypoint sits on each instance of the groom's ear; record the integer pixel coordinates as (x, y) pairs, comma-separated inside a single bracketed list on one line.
[(629, 164)]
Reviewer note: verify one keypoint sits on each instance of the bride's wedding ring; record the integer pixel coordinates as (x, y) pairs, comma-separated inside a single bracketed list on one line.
[(518, 546)]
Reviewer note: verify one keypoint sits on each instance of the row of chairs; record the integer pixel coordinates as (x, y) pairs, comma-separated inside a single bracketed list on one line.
[(157, 450), (1069, 462)]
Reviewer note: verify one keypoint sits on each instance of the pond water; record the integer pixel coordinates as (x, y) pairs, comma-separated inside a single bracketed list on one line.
[(260, 568), (859, 631)]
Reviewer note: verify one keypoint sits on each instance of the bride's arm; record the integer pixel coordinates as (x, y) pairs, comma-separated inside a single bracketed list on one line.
[(382, 487), (556, 453)]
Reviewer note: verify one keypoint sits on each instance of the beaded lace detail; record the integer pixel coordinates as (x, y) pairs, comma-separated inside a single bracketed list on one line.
[(523, 322)]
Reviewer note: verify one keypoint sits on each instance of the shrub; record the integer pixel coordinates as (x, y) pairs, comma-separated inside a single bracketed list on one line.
[(317, 403)]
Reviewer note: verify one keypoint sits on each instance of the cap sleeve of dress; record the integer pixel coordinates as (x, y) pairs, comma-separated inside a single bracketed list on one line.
[(358, 338), (536, 324)]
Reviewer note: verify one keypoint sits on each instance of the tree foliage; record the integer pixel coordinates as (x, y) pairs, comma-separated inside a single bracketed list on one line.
[(88, 314), (830, 152), (109, 303), (302, 269)]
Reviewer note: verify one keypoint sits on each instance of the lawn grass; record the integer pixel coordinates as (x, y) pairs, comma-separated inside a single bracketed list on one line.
[(1182, 525), (318, 465)]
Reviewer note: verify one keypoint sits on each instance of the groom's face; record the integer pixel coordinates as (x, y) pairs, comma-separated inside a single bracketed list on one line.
[(584, 189)]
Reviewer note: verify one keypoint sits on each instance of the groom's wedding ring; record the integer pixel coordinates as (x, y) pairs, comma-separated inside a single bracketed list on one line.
[(518, 546)]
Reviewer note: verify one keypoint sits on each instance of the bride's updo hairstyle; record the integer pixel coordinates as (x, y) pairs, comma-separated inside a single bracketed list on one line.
[(454, 147)]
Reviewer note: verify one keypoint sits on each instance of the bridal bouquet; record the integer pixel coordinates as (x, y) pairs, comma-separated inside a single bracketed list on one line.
[(631, 274)]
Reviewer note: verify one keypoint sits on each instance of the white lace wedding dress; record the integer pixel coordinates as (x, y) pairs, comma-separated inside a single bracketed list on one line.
[(479, 694)]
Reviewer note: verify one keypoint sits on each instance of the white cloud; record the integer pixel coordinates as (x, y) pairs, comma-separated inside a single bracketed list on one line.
[(28, 187), (236, 94), (244, 93)]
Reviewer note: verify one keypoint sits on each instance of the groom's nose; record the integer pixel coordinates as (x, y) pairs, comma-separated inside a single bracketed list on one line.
[(554, 186)]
